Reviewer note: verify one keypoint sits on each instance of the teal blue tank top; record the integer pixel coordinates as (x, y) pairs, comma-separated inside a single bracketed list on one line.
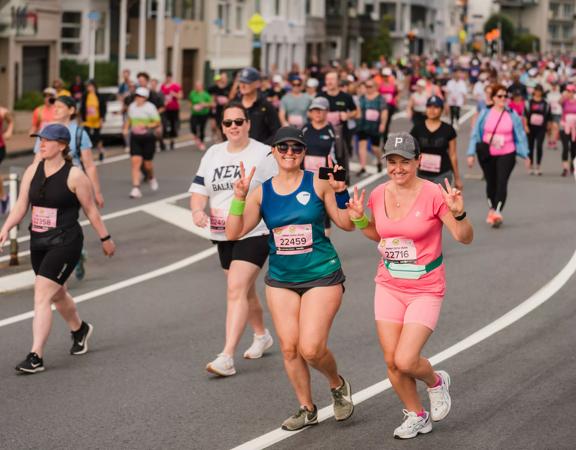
[(299, 249)]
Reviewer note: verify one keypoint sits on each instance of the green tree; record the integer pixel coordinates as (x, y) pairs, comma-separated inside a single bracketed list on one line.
[(526, 43), (507, 28), (380, 44)]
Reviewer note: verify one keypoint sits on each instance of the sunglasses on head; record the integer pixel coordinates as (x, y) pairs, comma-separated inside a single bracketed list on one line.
[(296, 148), (238, 122)]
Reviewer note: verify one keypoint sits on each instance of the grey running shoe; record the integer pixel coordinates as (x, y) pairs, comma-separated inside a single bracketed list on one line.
[(342, 401), (303, 418), (413, 425), (440, 402)]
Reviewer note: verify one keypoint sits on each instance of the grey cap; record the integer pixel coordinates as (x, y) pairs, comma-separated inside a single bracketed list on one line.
[(319, 103), (403, 144)]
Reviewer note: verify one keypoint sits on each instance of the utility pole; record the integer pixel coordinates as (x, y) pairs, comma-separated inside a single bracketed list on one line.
[(345, 22)]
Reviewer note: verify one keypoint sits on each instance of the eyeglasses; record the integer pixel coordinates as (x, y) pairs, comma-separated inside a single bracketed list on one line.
[(296, 84), (238, 122), (296, 148), (501, 96)]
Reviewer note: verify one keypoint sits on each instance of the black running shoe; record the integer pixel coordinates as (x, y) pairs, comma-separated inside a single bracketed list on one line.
[(32, 364), (80, 339)]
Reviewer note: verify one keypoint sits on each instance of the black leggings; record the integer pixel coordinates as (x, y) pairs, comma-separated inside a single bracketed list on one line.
[(172, 118), (497, 171), (568, 148), (454, 114), (536, 142), (198, 125)]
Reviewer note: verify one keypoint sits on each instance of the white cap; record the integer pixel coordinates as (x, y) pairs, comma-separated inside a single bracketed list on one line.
[(386, 71), (312, 83), (277, 78), (533, 72), (421, 82), (142, 92)]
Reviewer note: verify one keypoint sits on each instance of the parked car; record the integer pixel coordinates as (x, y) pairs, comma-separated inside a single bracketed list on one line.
[(113, 124)]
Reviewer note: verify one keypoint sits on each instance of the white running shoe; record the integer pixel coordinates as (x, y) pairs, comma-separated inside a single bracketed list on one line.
[(413, 425), (440, 402), (135, 193), (153, 184), (259, 345), (223, 366)]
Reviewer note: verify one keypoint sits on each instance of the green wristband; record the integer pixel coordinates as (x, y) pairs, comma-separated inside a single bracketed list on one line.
[(361, 223), (237, 207)]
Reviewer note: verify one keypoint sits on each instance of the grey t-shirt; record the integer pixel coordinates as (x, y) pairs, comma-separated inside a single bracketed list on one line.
[(296, 108)]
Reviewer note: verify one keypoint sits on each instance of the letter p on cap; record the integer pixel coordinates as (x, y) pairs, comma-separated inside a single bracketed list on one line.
[(397, 141)]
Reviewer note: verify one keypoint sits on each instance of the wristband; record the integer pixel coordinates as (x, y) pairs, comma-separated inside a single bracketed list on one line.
[(237, 207), (361, 223), (342, 198), (461, 216), (105, 238)]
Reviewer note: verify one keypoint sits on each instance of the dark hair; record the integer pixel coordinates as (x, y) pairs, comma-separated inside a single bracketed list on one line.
[(143, 74), (66, 152), (497, 87), (168, 74), (539, 87), (235, 105)]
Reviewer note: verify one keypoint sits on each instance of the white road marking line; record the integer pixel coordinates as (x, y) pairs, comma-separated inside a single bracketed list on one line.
[(125, 156), (124, 284), (534, 301), (178, 216), (16, 281)]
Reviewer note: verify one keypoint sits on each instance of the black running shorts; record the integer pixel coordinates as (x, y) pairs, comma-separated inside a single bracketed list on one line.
[(143, 146), (333, 279), (57, 263), (253, 250)]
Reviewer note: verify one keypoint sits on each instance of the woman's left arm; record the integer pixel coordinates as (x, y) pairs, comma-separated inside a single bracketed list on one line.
[(461, 230), (335, 197), (520, 138), (80, 184)]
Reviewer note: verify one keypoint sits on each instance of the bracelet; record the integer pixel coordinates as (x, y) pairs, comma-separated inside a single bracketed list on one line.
[(461, 216), (342, 198), (237, 207), (105, 238), (361, 223)]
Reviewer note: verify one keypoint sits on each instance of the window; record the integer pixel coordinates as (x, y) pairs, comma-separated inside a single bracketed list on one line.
[(567, 31), (553, 31), (71, 41), (240, 26), (554, 10), (100, 41), (276, 7), (568, 11), (224, 15), (308, 7)]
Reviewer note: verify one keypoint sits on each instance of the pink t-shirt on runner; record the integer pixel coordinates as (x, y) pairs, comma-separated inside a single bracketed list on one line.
[(388, 91), (423, 226), (171, 100), (503, 141)]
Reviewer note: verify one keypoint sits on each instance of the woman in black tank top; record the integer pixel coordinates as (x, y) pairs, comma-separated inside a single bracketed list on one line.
[(56, 190)]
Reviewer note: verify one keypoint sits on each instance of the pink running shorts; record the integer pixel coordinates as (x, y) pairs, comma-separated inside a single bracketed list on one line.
[(391, 305)]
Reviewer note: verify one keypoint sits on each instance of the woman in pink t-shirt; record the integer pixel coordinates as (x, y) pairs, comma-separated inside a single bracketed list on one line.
[(568, 129), (407, 218)]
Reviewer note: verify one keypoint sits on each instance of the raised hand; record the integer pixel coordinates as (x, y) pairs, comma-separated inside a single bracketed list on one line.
[(337, 186), (356, 204), (3, 238), (242, 185), (453, 198)]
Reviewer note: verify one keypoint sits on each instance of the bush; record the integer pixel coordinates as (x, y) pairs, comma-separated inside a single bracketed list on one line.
[(526, 43), (29, 101), (105, 73)]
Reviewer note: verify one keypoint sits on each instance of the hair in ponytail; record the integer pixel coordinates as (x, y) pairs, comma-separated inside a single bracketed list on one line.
[(66, 154)]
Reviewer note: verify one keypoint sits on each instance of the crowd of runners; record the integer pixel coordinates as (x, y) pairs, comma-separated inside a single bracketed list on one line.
[(274, 178)]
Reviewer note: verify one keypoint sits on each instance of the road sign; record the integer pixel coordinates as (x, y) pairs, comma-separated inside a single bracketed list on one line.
[(256, 23), (94, 16)]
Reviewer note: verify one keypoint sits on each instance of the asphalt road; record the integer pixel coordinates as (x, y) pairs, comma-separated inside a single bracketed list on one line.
[(143, 384)]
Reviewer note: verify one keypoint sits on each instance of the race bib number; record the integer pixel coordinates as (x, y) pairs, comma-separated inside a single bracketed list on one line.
[(221, 100), (556, 108), (296, 120), (536, 120), (398, 250), (388, 98), (217, 221), (43, 219), (430, 162), (372, 115), (91, 111), (333, 117), (293, 239), (198, 107), (313, 163), (569, 122), (497, 141)]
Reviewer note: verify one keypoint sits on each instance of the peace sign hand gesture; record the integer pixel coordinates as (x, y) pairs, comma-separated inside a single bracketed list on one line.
[(453, 198), (356, 204), (242, 185)]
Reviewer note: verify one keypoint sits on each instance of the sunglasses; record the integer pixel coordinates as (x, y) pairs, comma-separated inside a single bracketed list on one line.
[(501, 96), (296, 84), (369, 85), (238, 122), (296, 148)]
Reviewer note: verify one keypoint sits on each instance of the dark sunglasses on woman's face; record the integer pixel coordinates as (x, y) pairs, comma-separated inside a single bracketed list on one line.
[(296, 148), (238, 122), (296, 84), (501, 96)]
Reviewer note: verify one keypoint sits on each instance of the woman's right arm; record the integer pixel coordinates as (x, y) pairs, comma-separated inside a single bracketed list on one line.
[(198, 203), (244, 212), (21, 206)]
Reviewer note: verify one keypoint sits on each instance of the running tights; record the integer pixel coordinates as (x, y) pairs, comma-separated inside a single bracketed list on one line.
[(198, 125), (171, 125), (568, 148), (454, 114), (497, 171), (536, 142)]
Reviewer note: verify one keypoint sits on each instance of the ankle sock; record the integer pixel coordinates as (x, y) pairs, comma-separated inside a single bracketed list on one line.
[(438, 381), (422, 413)]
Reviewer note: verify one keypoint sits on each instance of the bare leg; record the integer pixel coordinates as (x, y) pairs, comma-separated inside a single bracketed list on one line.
[(362, 153), (284, 306), (44, 290), (136, 163), (65, 305), (149, 168), (255, 313), (241, 277)]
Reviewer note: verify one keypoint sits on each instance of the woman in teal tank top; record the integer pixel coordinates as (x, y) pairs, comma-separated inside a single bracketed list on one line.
[(304, 284)]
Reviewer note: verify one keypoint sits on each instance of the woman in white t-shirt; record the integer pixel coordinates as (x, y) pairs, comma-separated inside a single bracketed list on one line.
[(212, 192)]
